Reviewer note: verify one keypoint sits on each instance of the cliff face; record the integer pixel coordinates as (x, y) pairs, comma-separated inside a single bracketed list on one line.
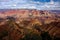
[(42, 15), (18, 23)]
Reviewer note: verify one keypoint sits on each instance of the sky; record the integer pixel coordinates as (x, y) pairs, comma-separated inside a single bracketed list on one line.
[(30, 4)]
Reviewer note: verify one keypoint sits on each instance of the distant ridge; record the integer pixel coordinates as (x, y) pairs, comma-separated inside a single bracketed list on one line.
[(3, 10)]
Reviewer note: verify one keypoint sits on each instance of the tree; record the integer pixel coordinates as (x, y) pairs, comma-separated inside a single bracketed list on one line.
[(45, 36), (4, 33), (32, 37)]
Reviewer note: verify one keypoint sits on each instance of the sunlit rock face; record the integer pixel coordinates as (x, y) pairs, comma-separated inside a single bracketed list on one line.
[(26, 13)]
